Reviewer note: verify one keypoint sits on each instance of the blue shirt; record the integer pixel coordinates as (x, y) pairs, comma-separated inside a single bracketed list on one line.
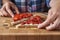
[(32, 5)]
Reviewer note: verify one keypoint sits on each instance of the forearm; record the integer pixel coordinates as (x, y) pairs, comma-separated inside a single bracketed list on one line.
[(4, 1)]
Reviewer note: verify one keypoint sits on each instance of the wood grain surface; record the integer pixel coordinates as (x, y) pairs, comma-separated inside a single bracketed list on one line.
[(27, 33)]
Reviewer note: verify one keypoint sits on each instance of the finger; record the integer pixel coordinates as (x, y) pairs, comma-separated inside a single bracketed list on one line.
[(59, 24), (52, 17), (44, 23), (49, 13), (15, 8), (3, 7), (9, 11), (4, 12), (49, 20), (54, 26), (1, 14)]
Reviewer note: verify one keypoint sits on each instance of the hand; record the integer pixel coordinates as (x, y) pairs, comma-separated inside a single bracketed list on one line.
[(53, 19), (6, 11)]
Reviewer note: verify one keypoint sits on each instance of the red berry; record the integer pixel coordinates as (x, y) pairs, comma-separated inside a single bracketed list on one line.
[(16, 17)]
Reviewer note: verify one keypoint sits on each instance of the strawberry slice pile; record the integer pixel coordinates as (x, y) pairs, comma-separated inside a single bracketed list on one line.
[(21, 16), (33, 20)]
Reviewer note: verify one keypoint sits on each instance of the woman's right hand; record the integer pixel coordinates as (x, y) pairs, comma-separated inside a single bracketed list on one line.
[(6, 9)]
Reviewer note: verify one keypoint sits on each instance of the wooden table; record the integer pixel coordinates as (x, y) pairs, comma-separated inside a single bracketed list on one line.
[(27, 33)]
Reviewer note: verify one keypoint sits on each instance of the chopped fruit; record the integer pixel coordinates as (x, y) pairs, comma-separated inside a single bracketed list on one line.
[(29, 15), (33, 20), (16, 17), (21, 16), (23, 23)]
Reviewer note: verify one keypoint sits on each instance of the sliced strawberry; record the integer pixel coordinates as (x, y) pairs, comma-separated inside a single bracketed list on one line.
[(29, 15), (16, 17)]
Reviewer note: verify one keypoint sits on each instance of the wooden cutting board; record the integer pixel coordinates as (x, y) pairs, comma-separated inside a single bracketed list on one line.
[(25, 31)]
